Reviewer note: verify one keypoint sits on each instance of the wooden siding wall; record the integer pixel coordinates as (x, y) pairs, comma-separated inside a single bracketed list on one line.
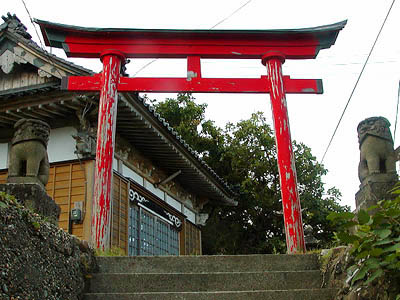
[(192, 239), (21, 79), (3, 177), (120, 212), (67, 185)]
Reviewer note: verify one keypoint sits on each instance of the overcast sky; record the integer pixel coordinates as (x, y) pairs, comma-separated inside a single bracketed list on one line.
[(313, 118)]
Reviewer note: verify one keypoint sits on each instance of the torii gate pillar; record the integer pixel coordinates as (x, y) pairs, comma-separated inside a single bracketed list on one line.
[(286, 160), (107, 117)]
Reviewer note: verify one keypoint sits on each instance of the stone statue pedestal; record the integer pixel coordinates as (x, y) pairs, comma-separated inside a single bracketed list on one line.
[(374, 188), (26, 180), (34, 197)]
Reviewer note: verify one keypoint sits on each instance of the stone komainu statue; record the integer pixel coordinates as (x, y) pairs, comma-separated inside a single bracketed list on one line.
[(377, 154), (29, 162)]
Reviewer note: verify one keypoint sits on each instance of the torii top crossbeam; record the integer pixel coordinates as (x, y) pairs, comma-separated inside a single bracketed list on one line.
[(114, 46), (166, 43)]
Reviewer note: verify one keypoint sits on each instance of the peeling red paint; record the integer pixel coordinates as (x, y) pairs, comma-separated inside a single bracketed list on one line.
[(287, 170), (105, 151), (196, 84)]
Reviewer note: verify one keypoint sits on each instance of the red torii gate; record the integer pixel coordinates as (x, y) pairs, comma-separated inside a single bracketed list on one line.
[(114, 46)]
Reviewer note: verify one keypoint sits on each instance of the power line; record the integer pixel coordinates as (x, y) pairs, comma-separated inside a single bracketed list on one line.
[(223, 20), (144, 67), (358, 79), (220, 22), (30, 18), (40, 41), (258, 67)]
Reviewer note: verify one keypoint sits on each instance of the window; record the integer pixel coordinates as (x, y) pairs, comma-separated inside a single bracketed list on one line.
[(147, 234), (150, 235), (133, 231)]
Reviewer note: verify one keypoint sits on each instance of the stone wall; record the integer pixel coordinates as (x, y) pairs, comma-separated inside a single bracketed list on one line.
[(38, 260), (35, 198), (335, 263)]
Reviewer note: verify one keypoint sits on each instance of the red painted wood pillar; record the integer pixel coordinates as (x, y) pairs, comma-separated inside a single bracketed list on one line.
[(107, 117), (286, 162)]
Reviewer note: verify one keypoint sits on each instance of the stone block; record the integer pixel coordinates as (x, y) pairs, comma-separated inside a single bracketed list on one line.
[(375, 188), (34, 197)]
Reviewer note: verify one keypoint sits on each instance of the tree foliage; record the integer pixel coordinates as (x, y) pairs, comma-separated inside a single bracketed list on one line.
[(244, 155)]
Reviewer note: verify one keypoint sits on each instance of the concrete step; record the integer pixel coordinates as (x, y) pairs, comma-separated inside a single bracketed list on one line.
[(200, 264), (207, 282), (310, 294)]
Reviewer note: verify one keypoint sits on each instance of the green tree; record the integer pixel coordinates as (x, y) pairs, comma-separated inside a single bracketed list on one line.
[(188, 119), (244, 154)]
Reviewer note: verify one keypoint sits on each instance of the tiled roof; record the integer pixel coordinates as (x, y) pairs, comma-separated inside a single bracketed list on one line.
[(13, 26)]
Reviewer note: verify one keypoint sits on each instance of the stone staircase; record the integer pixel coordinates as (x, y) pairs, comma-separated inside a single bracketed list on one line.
[(239, 277)]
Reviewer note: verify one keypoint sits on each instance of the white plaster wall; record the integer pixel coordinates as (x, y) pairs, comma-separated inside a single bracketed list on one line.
[(3, 155), (127, 172), (190, 215), (174, 203), (159, 193), (115, 164), (61, 144)]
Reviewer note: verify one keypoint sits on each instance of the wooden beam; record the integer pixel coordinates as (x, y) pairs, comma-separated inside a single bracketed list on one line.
[(60, 107), (69, 105), (43, 107), (8, 117), (30, 114), (195, 85), (18, 116), (41, 112)]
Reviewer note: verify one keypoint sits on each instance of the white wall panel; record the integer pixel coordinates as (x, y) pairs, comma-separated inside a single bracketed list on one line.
[(127, 172), (115, 164), (61, 145), (159, 193), (3, 155), (174, 203), (190, 215)]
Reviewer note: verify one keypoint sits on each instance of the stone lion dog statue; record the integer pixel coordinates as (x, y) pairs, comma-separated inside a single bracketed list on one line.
[(377, 153), (29, 162)]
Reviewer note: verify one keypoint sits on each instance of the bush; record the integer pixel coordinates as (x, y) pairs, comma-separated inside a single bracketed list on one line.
[(374, 236), (113, 251)]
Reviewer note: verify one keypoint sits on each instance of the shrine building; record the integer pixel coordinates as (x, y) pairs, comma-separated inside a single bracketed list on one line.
[(160, 185)]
